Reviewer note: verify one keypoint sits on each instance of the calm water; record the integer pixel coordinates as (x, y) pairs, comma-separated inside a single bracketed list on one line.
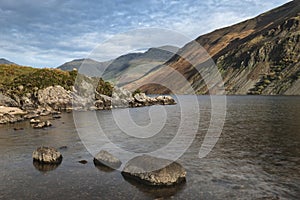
[(256, 157)]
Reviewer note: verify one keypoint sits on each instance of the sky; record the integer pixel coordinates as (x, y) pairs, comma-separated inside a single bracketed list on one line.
[(48, 33)]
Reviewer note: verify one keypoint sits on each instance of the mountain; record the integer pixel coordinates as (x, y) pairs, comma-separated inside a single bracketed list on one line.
[(89, 66), (130, 67), (257, 56), (4, 61), (125, 68)]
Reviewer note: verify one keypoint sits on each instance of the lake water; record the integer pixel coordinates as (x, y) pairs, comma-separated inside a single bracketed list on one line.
[(256, 157)]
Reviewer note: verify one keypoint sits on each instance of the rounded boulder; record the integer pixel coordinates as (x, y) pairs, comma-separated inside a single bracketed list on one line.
[(47, 155)]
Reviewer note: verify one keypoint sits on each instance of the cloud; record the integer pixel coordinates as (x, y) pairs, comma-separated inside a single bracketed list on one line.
[(45, 33), (136, 40)]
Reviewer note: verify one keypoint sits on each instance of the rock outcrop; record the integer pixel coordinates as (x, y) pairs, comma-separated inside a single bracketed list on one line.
[(107, 159), (42, 92), (47, 155), (7, 101), (55, 97), (11, 114), (154, 171)]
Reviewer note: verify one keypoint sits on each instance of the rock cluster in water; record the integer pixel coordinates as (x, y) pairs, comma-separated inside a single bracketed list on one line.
[(55, 98), (144, 169)]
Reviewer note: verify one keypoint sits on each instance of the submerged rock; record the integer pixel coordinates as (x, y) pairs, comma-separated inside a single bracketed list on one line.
[(107, 159), (47, 155), (56, 116), (18, 129), (34, 121), (154, 171), (63, 147), (83, 162), (39, 125)]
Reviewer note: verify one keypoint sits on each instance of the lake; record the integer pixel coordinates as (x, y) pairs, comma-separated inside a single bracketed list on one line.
[(256, 157)]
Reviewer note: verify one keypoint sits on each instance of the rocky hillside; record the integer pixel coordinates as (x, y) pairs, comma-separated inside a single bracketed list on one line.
[(22, 84), (125, 68), (257, 56)]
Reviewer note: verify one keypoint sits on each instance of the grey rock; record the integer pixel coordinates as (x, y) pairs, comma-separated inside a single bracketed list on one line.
[(11, 114), (27, 103), (55, 97), (47, 155), (40, 125), (107, 159), (7, 101), (154, 171), (165, 100), (31, 116), (103, 101), (141, 97)]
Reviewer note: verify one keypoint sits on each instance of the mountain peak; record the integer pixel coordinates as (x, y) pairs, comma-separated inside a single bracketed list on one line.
[(5, 61)]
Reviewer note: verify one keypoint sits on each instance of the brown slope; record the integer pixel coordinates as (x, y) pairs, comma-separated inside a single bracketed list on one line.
[(229, 47)]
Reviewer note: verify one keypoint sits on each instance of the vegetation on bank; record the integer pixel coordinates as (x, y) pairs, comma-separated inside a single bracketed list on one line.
[(20, 80)]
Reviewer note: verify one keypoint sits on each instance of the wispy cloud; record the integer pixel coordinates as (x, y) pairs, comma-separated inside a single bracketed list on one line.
[(48, 33)]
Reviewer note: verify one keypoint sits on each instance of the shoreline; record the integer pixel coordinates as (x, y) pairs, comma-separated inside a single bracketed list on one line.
[(55, 99)]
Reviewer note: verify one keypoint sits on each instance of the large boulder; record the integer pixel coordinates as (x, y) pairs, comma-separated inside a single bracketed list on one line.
[(107, 159), (154, 171), (55, 97), (47, 155)]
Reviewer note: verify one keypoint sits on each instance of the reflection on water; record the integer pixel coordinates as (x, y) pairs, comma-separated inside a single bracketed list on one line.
[(257, 156), (44, 167), (156, 192)]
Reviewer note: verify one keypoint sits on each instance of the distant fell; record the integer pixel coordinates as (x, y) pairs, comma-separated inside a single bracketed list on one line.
[(123, 69), (4, 61)]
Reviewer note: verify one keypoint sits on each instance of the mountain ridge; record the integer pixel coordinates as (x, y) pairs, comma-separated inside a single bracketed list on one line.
[(267, 37), (125, 68)]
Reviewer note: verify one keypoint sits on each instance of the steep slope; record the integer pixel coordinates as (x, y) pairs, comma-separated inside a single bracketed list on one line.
[(257, 56), (130, 67)]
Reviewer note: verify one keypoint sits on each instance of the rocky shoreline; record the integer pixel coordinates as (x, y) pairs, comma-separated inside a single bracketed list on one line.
[(55, 99)]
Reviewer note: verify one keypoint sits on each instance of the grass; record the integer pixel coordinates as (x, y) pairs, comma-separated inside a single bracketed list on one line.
[(20, 80)]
